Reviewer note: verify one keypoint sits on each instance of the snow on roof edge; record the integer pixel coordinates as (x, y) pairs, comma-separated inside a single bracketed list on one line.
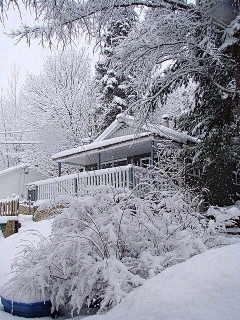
[(116, 124), (98, 144), (160, 129), (113, 126), (12, 169)]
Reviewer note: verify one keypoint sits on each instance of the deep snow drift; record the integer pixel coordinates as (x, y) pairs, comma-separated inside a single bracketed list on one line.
[(205, 287), (30, 232)]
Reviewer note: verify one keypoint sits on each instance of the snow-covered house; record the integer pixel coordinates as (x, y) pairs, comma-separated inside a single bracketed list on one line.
[(113, 158), (14, 180)]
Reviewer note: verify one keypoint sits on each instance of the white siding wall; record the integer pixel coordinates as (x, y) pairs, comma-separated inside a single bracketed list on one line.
[(15, 182)]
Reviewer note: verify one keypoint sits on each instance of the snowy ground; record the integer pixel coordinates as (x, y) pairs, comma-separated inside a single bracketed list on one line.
[(30, 232), (12, 245), (206, 287)]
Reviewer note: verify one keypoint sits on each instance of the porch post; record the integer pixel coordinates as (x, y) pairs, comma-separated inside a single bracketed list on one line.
[(59, 169), (130, 177), (152, 153), (75, 187), (36, 194), (99, 161)]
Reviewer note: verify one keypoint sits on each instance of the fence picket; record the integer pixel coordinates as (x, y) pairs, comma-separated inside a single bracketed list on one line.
[(9, 207)]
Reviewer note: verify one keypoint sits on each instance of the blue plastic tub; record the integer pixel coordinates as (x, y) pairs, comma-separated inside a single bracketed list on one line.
[(27, 310)]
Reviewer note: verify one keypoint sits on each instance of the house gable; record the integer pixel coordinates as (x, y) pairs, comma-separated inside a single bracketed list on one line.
[(125, 130), (119, 128), (122, 133)]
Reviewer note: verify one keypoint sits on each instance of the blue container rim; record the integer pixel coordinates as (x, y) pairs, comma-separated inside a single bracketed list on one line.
[(24, 303)]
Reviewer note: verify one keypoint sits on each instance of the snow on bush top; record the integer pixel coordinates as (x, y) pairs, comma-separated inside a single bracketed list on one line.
[(206, 287), (104, 246)]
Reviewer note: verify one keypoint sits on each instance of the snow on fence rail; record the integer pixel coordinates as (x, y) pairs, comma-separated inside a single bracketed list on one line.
[(9, 207), (81, 184)]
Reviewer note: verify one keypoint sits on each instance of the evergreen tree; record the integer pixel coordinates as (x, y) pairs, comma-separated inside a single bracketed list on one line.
[(213, 115), (115, 89), (213, 119)]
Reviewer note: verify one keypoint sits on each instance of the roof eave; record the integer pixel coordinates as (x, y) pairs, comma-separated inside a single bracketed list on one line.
[(110, 146)]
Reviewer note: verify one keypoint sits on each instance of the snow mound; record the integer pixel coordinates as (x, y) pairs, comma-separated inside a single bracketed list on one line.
[(205, 287), (30, 233)]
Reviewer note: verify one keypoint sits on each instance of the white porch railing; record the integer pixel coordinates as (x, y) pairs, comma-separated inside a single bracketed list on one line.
[(81, 184)]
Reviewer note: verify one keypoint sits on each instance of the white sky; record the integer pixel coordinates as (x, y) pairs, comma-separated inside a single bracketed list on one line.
[(27, 59)]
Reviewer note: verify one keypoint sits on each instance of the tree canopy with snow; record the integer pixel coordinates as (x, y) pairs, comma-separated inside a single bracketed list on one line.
[(61, 99), (51, 112)]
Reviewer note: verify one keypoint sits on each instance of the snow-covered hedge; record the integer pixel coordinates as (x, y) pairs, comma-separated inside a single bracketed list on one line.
[(104, 246)]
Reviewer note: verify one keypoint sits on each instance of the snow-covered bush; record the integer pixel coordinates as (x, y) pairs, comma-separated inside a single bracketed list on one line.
[(105, 245)]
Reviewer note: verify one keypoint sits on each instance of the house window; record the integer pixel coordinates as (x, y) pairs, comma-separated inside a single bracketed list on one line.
[(115, 163), (91, 167), (120, 162), (191, 169), (144, 162), (194, 172), (106, 165)]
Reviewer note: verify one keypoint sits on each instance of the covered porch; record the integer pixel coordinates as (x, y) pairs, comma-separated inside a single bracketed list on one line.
[(117, 162), (132, 149)]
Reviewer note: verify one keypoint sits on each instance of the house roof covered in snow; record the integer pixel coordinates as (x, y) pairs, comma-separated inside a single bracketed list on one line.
[(159, 129), (108, 140), (96, 146), (13, 169)]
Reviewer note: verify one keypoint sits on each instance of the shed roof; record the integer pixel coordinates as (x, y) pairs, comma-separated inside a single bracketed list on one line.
[(12, 169)]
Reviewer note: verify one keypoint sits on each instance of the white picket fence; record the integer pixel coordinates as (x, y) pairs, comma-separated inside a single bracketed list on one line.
[(81, 184)]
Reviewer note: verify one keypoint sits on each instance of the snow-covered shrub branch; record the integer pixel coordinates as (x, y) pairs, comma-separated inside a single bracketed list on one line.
[(105, 245)]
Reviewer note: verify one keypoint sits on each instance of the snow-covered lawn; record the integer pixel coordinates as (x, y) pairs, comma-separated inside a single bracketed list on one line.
[(30, 232), (12, 245), (205, 287)]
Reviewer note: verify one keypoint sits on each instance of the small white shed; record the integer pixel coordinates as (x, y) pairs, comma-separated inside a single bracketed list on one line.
[(15, 180)]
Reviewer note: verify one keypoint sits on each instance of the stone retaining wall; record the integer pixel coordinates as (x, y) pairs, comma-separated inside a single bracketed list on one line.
[(48, 213)]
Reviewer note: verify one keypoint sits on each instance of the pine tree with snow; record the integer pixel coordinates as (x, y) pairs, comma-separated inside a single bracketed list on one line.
[(212, 114), (116, 92)]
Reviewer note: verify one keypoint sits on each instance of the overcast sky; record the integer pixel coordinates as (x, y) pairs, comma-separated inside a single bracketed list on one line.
[(28, 59)]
